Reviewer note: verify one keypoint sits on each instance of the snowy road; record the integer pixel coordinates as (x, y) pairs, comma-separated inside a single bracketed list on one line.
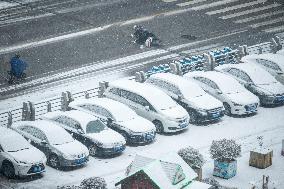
[(269, 122)]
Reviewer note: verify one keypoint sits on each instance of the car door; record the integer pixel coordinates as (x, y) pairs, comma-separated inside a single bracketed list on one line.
[(237, 74), (145, 109)]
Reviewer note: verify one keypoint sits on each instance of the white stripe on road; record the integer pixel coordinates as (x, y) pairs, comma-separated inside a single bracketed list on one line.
[(236, 7), (203, 48), (250, 11), (169, 1), (269, 14), (275, 29), (267, 22), (215, 4), (190, 3)]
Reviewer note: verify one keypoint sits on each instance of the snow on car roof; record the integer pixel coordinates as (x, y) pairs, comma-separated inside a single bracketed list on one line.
[(276, 58), (112, 106), (82, 117), (149, 92), (256, 73)]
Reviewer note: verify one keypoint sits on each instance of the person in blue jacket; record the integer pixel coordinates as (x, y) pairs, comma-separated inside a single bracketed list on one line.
[(18, 66)]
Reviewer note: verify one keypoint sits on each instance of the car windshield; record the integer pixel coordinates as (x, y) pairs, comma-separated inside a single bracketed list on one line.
[(191, 90), (262, 78), (162, 101), (95, 127), (122, 114), (15, 143), (59, 136)]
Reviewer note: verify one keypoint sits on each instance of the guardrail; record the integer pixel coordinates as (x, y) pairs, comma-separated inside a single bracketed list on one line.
[(206, 61)]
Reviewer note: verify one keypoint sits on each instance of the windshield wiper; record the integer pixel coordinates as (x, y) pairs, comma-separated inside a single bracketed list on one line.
[(18, 150)]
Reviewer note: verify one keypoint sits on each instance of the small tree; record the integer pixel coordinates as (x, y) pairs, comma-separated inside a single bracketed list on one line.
[(192, 157), (225, 150), (93, 183)]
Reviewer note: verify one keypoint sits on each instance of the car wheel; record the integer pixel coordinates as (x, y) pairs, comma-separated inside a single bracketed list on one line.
[(53, 161), (92, 150), (227, 109), (159, 126), (8, 170)]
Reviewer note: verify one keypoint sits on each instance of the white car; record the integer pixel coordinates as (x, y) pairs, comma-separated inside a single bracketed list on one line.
[(150, 103), (18, 156), (119, 117), (273, 63), (256, 80), (90, 131), (200, 105), (57, 144), (236, 99)]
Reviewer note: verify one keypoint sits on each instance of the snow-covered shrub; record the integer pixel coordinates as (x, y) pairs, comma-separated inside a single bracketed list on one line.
[(69, 187), (213, 182), (93, 183), (225, 150), (192, 157)]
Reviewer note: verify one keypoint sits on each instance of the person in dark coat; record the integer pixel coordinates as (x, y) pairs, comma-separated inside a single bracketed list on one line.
[(18, 66)]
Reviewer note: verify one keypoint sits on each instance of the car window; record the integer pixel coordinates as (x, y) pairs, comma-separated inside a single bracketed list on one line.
[(34, 132), (172, 88), (244, 76), (115, 91), (69, 122), (95, 127), (207, 82), (234, 72), (128, 95), (268, 64)]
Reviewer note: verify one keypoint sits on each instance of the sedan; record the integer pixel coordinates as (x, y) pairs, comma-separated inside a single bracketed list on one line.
[(89, 130), (273, 63), (236, 99), (18, 156), (57, 144), (256, 80), (119, 117)]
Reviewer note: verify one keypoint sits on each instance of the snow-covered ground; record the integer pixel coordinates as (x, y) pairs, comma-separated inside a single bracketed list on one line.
[(269, 123)]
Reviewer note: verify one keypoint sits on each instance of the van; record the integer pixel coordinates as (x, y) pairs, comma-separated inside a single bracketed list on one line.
[(150, 103)]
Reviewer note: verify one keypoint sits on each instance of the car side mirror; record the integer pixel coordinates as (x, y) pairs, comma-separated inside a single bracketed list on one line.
[(219, 92), (147, 108), (109, 120), (80, 131), (179, 97), (279, 72), (43, 142)]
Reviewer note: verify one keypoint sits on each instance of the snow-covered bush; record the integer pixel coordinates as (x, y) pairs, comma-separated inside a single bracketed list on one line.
[(213, 182), (192, 157), (93, 183), (225, 150), (69, 187)]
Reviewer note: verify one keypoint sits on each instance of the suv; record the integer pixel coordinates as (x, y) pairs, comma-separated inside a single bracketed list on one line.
[(18, 156), (150, 103), (201, 106)]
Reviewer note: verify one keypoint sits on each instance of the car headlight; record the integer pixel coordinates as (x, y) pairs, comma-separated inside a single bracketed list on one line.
[(67, 156), (202, 112)]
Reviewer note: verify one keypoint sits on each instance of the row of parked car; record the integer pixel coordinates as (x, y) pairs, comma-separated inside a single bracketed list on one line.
[(132, 113)]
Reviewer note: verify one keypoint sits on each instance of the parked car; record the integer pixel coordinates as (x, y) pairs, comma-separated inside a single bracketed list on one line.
[(256, 80), (281, 51), (18, 156), (200, 105), (90, 131), (150, 103), (57, 144), (119, 117), (236, 99), (273, 63)]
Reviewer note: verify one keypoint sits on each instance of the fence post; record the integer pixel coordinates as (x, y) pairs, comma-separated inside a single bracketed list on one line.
[(10, 119), (173, 67), (32, 111), (87, 95), (25, 111), (48, 106), (102, 87), (243, 51), (260, 50), (276, 44), (64, 101), (140, 76), (209, 62), (227, 58)]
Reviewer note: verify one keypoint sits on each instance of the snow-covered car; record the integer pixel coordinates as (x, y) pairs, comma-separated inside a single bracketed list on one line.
[(200, 105), (18, 156), (236, 99), (90, 131), (118, 117), (150, 103), (57, 144), (273, 63), (281, 52), (256, 80)]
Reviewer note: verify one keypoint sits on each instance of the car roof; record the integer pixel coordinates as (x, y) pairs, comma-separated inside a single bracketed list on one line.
[(149, 92), (215, 76), (6, 133), (109, 104), (82, 117), (174, 79), (43, 125), (276, 58)]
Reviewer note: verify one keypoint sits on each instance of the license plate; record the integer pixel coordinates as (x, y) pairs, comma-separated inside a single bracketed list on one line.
[(281, 98), (215, 115), (79, 161)]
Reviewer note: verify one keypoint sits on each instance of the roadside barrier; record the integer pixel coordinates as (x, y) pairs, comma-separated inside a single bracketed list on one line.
[(180, 66)]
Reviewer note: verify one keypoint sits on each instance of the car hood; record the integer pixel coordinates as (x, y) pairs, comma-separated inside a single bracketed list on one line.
[(244, 97), (72, 148), (273, 89), (176, 112), (30, 156), (205, 102), (107, 136), (138, 124)]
